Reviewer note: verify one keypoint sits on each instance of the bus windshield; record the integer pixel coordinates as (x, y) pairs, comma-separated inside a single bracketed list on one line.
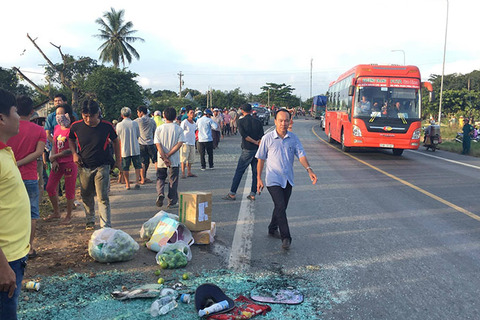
[(387, 102)]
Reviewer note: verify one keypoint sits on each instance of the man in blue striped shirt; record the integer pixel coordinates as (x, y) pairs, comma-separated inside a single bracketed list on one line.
[(278, 149)]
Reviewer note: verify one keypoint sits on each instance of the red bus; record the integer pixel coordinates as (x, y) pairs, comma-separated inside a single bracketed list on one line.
[(376, 106)]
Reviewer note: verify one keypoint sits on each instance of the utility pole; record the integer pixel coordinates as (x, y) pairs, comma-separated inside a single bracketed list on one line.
[(180, 75), (208, 96), (443, 70), (211, 98), (311, 68)]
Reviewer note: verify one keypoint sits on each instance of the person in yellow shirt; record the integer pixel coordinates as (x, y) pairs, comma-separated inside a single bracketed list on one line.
[(14, 212), (157, 117)]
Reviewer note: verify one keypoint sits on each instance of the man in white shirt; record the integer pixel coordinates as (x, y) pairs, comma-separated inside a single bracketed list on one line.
[(205, 126), (216, 133), (128, 132), (148, 151), (168, 138), (187, 152)]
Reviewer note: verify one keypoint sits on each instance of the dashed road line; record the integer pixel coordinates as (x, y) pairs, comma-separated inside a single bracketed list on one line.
[(408, 184)]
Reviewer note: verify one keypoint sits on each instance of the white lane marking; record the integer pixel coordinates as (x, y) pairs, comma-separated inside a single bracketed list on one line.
[(241, 252), (448, 160)]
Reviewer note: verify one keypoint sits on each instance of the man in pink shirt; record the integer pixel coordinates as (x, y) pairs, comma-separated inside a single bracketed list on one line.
[(27, 146)]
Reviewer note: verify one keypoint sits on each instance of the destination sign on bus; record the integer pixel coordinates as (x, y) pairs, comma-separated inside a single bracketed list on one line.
[(388, 82)]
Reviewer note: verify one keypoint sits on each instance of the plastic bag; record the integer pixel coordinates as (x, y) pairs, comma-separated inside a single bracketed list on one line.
[(111, 245), (174, 255), (165, 229), (149, 226), (182, 234)]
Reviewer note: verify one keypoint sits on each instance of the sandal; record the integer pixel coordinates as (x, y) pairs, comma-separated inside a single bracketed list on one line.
[(192, 175), (229, 197), (66, 221), (51, 218), (251, 197), (33, 254)]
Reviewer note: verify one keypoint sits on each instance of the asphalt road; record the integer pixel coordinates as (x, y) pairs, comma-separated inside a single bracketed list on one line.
[(388, 237)]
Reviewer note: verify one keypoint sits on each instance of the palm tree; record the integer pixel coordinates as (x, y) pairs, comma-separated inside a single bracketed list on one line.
[(117, 36)]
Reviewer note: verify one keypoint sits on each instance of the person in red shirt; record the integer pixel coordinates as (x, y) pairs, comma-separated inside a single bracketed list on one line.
[(27, 146), (62, 164)]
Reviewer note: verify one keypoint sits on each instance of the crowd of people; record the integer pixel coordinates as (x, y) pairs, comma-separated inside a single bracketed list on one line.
[(88, 148)]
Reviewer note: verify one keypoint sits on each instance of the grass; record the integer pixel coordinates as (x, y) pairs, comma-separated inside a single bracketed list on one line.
[(453, 146), (449, 143)]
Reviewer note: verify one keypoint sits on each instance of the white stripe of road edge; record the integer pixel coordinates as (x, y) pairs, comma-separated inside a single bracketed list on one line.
[(448, 160), (241, 252)]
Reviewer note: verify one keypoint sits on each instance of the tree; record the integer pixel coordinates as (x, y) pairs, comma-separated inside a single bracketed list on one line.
[(77, 70), (280, 95), (114, 89), (223, 99), (118, 36), (164, 94), (70, 74), (461, 95), (9, 81)]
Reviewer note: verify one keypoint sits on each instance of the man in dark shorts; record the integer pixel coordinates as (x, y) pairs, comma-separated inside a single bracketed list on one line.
[(148, 151), (92, 136)]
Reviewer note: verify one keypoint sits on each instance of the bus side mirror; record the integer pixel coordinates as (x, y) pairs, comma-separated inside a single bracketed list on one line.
[(351, 91), (429, 87)]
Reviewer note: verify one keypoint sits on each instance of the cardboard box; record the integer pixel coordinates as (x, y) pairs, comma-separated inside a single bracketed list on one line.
[(195, 210), (206, 236)]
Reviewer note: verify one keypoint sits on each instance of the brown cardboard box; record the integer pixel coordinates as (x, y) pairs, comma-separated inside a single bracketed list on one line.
[(195, 210), (206, 236)]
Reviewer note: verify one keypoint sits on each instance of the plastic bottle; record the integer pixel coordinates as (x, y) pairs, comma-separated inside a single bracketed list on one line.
[(219, 306), (158, 305), (185, 298), (168, 307), (168, 292), (32, 285)]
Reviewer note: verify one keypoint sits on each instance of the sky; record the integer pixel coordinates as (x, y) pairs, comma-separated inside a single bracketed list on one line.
[(223, 45)]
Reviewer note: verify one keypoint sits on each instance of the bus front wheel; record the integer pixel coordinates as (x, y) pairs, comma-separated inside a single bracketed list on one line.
[(344, 148), (397, 152), (330, 139)]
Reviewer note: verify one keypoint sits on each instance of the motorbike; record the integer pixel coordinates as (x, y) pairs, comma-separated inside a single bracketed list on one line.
[(475, 138), (432, 137)]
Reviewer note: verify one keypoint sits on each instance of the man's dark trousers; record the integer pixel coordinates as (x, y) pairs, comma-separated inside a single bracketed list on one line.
[(280, 197), (202, 147), (246, 158)]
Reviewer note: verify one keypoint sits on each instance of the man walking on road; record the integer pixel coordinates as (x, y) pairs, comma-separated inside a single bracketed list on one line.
[(278, 149), (251, 131), (205, 140), (92, 136)]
